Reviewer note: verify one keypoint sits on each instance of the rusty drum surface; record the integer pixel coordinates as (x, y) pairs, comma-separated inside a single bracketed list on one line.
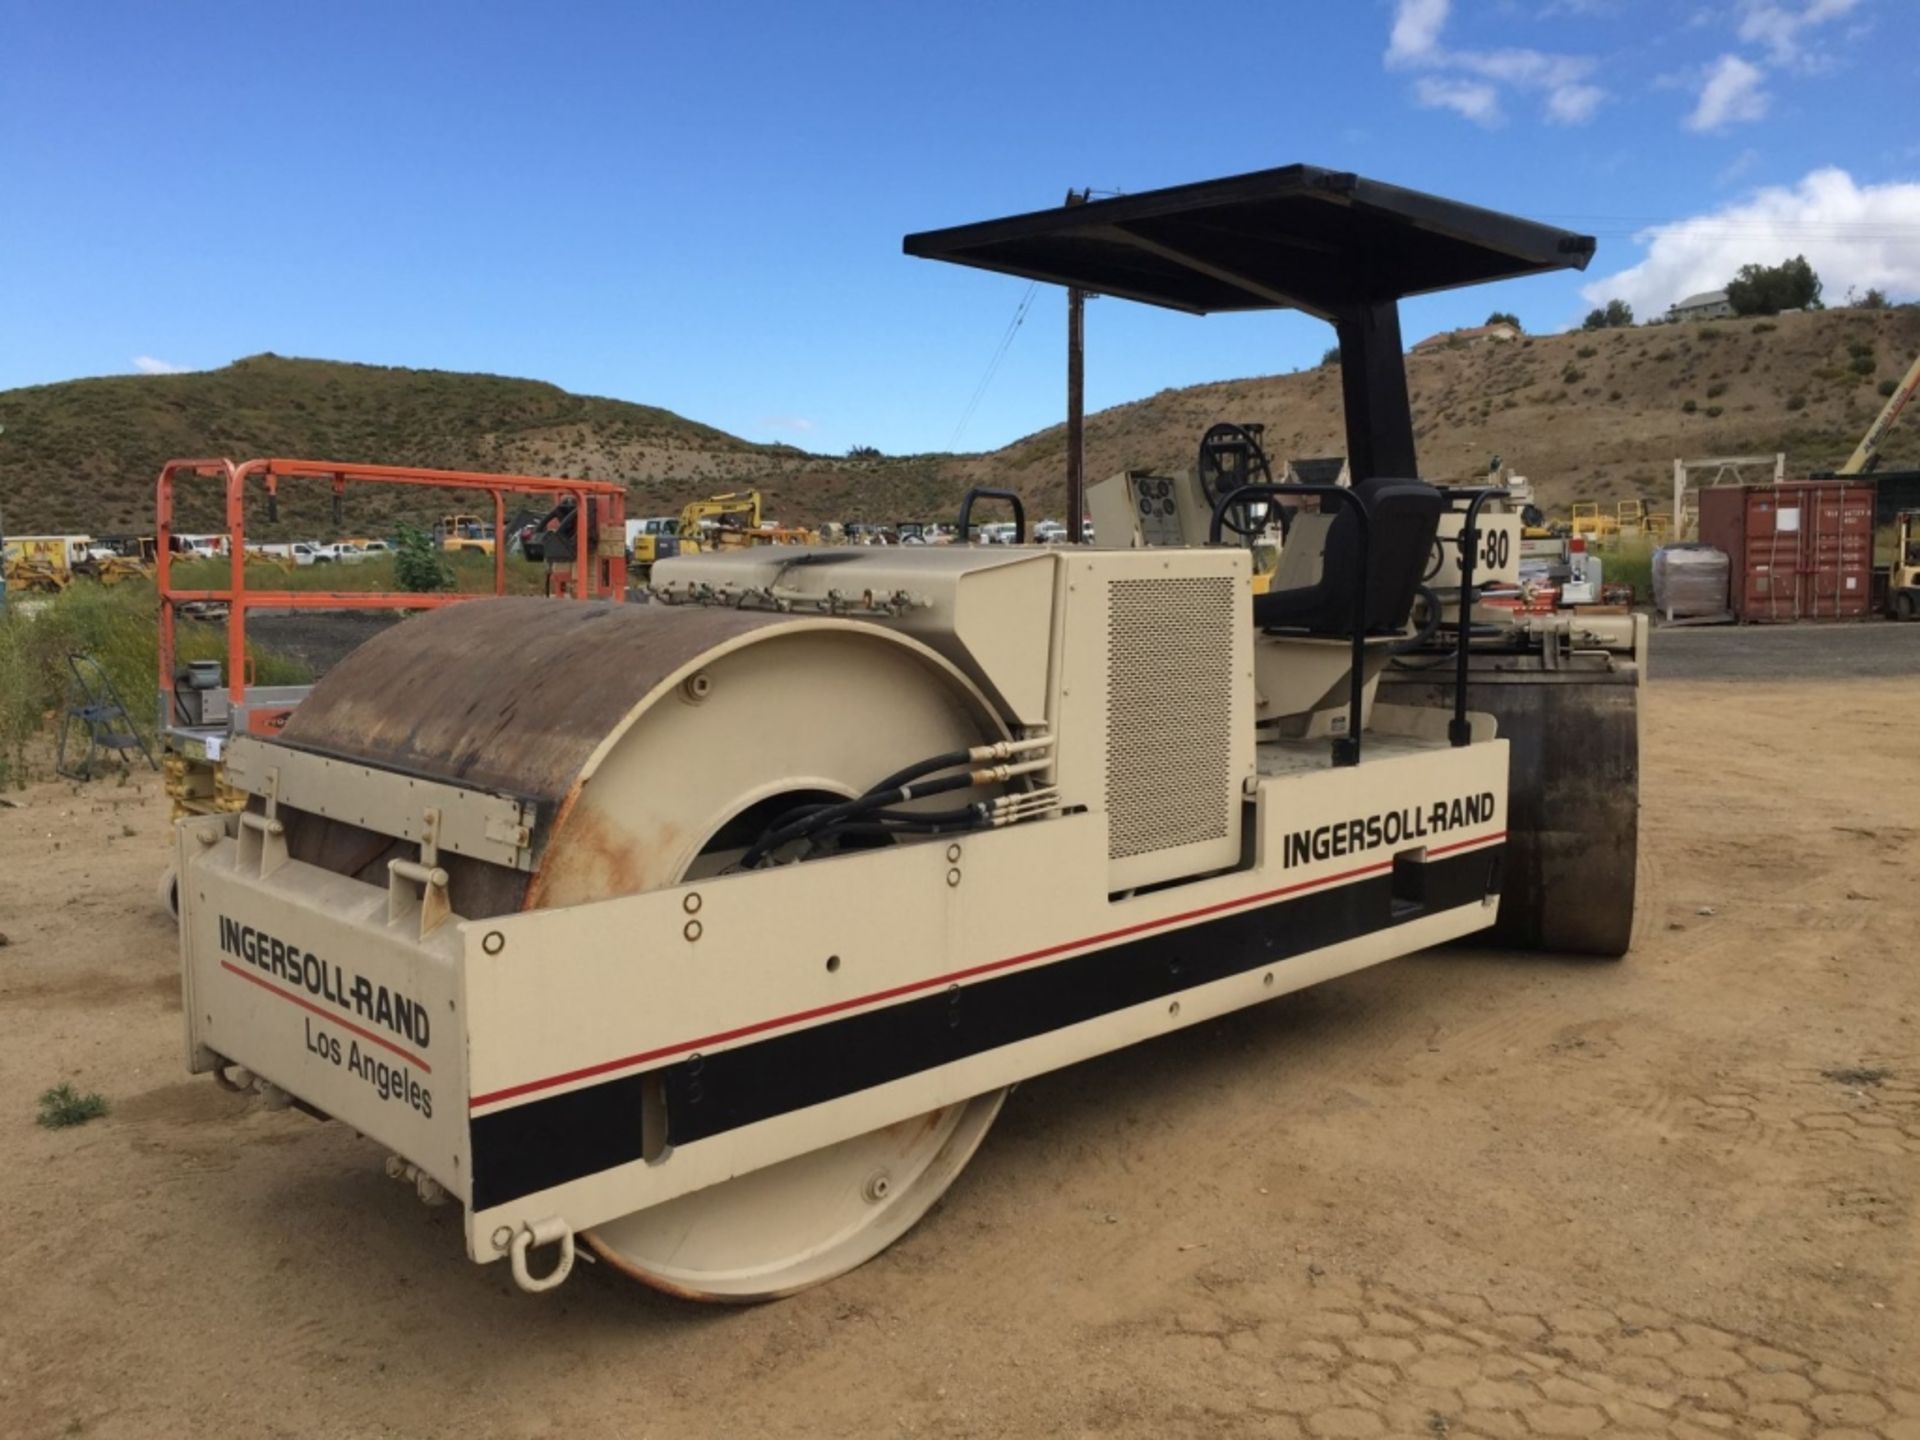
[(637, 732), (512, 695)]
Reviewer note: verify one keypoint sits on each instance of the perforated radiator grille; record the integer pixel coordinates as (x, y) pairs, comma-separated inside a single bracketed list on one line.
[(1169, 712)]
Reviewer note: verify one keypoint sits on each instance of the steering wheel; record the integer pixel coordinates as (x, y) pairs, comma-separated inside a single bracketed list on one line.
[(1231, 456)]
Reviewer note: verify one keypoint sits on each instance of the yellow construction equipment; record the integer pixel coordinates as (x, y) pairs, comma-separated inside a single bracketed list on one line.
[(654, 538), (1589, 524), (701, 521), (712, 933), (1903, 575), (1867, 453), (43, 564), (456, 534), (114, 559), (36, 575), (731, 522)]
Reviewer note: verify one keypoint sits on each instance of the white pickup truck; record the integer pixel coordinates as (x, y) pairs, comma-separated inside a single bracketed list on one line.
[(300, 552)]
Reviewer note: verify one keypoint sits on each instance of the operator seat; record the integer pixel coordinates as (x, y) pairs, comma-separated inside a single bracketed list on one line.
[(1404, 516)]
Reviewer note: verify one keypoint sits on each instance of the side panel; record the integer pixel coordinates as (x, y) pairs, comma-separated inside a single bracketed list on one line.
[(1156, 683), (298, 976), (635, 1049)]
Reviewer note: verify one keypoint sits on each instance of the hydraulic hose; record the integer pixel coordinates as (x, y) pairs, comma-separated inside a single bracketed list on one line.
[(902, 785), (848, 810), (1426, 632), (867, 829), (919, 768)]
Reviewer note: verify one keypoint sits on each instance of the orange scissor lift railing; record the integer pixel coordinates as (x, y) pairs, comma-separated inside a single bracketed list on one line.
[(588, 575)]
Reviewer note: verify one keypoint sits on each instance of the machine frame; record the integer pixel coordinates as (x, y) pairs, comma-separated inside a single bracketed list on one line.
[(553, 1082)]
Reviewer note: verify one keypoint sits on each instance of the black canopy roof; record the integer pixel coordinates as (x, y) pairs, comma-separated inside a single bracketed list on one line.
[(1324, 241)]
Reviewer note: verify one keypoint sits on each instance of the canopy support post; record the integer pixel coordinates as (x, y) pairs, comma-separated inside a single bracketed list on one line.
[(1373, 383)]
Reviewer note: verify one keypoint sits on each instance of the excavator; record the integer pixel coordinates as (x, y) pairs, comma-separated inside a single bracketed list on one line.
[(727, 522), (718, 522), (983, 811)]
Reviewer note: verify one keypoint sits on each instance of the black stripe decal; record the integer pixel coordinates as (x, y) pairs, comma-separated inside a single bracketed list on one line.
[(548, 1142), (531, 1147)]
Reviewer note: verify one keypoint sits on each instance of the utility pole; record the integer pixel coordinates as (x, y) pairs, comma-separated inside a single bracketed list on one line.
[(1076, 401)]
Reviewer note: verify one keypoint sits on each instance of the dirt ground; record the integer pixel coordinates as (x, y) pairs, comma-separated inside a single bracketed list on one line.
[(1461, 1194)]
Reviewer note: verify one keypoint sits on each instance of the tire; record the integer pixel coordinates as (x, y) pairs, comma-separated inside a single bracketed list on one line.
[(1905, 607)]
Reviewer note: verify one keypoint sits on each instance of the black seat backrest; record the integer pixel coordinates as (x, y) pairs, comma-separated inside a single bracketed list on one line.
[(1404, 516)]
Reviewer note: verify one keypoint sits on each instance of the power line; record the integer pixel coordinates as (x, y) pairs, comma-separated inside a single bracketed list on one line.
[(1006, 341), (993, 365)]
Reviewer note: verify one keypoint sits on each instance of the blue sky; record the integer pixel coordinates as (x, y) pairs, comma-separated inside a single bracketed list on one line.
[(700, 205)]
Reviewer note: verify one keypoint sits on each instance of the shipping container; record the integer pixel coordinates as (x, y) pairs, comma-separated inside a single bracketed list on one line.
[(1801, 550)]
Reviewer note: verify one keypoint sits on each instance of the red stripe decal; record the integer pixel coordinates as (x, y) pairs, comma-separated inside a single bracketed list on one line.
[(328, 1016), (625, 1062)]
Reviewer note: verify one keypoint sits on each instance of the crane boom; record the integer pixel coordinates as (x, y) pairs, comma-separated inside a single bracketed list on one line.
[(1868, 450)]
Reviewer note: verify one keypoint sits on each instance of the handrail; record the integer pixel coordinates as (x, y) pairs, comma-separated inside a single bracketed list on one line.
[(1346, 748), (1459, 732), (233, 478), (983, 492)]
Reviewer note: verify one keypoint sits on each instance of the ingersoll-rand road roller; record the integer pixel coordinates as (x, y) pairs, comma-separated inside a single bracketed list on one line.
[(713, 932)]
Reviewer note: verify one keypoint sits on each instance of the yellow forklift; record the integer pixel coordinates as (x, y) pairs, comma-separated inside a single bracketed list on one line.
[(1903, 576)]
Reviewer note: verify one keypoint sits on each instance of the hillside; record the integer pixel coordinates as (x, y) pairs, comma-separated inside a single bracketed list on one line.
[(82, 455), (1597, 416), (1588, 416)]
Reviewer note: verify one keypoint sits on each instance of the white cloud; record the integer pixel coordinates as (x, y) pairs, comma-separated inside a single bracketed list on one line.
[(1533, 69), (798, 424), (1782, 27), (1574, 104), (1478, 78), (1416, 30), (147, 365), (1857, 236), (1734, 93), (1471, 98)]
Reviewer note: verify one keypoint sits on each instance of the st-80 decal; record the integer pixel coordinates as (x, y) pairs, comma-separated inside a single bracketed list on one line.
[(1494, 553), (1496, 549)]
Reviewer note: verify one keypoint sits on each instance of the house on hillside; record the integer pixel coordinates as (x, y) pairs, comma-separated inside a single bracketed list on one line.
[(1449, 339), (1707, 305)]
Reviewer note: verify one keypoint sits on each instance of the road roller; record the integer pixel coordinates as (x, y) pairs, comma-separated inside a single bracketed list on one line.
[(704, 939)]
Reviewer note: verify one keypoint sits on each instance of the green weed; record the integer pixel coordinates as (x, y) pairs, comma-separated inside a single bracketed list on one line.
[(1630, 563), (63, 1106), (118, 626)]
